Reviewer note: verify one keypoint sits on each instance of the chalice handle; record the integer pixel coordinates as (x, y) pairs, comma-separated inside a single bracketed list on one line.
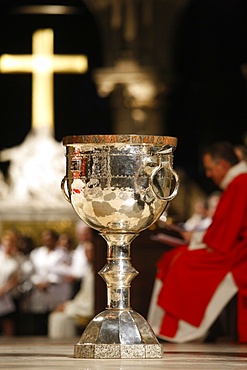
[(175, 175), (63, 189)]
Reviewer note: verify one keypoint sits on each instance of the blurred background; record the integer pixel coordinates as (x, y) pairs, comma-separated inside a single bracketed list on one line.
[(158, 67), (166, 67)]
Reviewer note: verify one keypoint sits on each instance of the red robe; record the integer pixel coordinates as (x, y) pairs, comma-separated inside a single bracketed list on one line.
[(190, 277)]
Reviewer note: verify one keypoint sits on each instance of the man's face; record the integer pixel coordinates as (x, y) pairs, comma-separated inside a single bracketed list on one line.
[(215, 169)]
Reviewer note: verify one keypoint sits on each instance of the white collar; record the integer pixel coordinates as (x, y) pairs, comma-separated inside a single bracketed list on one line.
[(233, 172)]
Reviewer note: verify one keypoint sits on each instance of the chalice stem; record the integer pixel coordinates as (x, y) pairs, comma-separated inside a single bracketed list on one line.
[(118, 272), (118, 332)]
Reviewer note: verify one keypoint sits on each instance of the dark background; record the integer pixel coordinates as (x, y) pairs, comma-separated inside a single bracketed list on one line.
[(207, 94), (208, 100), (78, 109)]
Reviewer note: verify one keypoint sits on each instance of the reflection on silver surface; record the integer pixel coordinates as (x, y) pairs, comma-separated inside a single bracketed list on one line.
[(119, 185)]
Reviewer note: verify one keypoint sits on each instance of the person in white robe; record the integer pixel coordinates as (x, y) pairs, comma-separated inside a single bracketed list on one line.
[(64, 321), (9, 278), (80, 263), (50, 286)]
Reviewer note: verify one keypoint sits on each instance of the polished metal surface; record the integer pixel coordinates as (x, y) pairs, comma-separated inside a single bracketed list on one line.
[(119, 185)]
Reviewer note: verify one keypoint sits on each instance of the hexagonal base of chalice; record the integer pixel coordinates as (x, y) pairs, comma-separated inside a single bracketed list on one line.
[(118, 334)]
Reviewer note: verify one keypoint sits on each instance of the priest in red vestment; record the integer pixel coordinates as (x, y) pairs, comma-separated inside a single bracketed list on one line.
[(196, 284)]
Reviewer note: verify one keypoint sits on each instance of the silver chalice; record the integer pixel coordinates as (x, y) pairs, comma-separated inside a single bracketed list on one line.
[(119, 185)]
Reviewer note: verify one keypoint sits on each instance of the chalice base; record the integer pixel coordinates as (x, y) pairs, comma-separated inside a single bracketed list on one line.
[(118, 334)]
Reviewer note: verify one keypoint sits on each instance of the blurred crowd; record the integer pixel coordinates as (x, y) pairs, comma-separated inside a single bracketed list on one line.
[(36, 282)]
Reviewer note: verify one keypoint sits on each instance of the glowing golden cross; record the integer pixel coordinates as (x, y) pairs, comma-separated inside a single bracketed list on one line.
[(43, 64)]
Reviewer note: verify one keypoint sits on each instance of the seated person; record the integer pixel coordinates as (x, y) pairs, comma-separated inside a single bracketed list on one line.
[(196, 284)]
